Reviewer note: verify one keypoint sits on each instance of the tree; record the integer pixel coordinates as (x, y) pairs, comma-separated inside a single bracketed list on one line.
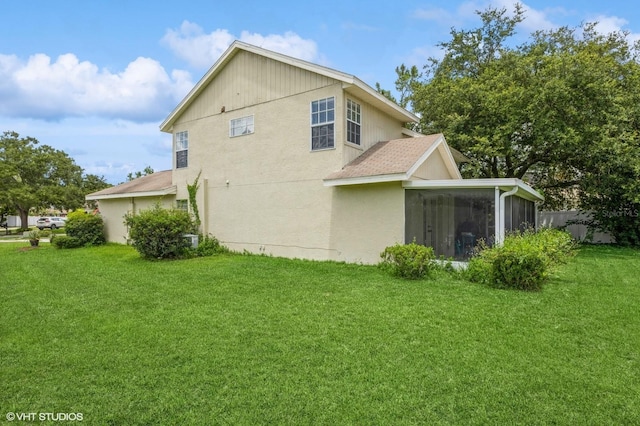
[(406, 82), (33, 175), (93, 183), (549, 110), (147, 171)]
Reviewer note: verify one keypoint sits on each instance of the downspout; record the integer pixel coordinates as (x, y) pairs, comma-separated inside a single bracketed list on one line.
[(500, 231), (496, 215)]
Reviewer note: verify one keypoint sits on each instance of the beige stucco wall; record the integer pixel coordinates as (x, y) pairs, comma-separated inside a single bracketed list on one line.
[(264, 192), (113, 211), (365, 220)]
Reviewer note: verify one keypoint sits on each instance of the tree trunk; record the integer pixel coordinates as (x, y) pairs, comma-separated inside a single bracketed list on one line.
[(24, 218)]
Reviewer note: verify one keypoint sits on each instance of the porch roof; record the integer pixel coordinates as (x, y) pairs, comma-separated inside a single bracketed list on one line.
[(393, 160), (153, 185), (504, 184)]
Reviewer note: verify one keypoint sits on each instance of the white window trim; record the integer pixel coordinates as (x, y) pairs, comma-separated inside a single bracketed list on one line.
[(176, 150), (354, 122), (253, 126), (311, 125)]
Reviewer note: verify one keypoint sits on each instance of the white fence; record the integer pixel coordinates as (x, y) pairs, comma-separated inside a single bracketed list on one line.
[(14, 221), (579, 232)]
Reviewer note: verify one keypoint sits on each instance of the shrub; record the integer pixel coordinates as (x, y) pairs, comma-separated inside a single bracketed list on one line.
[(522, 268), (158, 233), (479, 267), (412, 261), (523, 261), (209, 245), (66, 242), (556, 245), (87, 228)]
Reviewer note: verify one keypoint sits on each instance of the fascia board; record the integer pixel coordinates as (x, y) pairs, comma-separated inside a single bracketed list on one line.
[(160, 193), (397, 177), (505, 184)]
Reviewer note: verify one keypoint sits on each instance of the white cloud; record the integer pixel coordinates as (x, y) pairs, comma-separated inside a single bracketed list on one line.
[(66, 87), (202, 50), (610, 24), (433, 14)]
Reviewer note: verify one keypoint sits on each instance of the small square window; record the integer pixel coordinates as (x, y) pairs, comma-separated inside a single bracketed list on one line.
[(241, 126), (182, 205)]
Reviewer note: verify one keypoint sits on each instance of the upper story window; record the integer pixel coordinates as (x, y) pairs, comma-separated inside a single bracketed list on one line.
[(241, 126), (353, 122), (322, 124), (182, 149)]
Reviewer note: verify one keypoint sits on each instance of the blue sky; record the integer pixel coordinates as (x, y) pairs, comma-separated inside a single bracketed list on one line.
[(96, 78)]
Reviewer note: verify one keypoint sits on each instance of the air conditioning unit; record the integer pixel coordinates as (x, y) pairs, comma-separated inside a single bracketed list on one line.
[(193, 239)]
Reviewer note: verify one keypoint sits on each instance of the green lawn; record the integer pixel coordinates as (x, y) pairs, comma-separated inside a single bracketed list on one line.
[(259, 340)]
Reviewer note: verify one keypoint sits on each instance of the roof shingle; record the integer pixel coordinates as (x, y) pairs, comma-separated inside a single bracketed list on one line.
[(157, 181), (392, 157)]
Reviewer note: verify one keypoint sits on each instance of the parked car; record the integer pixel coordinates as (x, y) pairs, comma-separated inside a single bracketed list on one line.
[(52, 222)]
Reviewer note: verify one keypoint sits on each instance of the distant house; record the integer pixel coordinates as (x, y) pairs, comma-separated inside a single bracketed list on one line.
[(299, 160)]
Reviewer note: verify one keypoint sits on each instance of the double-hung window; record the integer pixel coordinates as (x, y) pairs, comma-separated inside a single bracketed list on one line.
[(182, 149), (322, 124), (353, 122), (241, 126)]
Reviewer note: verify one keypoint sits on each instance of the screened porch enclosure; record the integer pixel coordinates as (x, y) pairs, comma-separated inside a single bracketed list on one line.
[(454, 220)]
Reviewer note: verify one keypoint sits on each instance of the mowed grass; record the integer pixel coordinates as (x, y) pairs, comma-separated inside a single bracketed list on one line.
[(258, 340)]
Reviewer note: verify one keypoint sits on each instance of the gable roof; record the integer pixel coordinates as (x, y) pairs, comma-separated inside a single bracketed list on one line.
[(153, 185), (393, 160), (351, 84)]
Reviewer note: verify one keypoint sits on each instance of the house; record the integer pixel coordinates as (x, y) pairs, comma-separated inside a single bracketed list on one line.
[(300, 160)]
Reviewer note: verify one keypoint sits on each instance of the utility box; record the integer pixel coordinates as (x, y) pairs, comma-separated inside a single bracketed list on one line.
[(193, 239)]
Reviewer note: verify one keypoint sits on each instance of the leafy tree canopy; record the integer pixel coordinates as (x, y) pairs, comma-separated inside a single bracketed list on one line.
[(561, 110), (38, 176), (147, 171)]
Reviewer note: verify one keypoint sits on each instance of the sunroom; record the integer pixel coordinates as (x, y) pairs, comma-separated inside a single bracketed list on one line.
[(453, 216)]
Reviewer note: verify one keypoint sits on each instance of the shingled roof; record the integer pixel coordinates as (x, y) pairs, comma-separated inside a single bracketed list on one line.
[(387, 161), (155, 184)]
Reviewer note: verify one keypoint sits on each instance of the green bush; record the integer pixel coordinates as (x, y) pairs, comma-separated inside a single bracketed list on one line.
[(87, 228), (479, 266), (523, 261), (522, 268), (412, 261), (556, 245), (66, 242), (209, 245), (158, 233)]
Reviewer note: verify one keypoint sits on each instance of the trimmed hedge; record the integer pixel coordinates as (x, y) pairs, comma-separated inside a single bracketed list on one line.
[(158, 233), (66, 242), (88, 229)]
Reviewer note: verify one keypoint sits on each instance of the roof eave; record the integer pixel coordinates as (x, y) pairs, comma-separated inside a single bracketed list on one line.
[(159, 193), (364, 91), (365, 180)]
